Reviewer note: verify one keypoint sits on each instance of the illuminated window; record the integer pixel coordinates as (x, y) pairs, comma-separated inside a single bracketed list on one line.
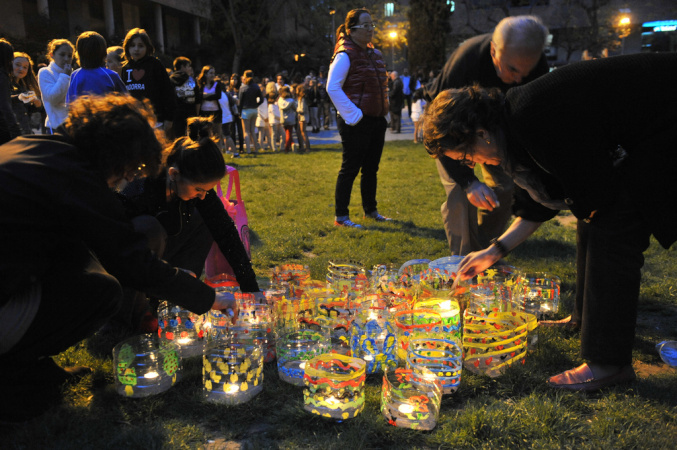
[(389, 9), (452, 5)]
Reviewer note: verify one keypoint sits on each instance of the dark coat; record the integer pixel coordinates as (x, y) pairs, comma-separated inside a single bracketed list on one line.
[(396, 96), (594, 129)]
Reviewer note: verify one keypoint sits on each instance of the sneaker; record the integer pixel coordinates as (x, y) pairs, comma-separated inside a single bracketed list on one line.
[(377, 217), (347, 223)]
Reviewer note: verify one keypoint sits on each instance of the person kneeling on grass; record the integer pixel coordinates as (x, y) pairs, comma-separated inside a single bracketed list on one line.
[(67, 248), (569, 141)]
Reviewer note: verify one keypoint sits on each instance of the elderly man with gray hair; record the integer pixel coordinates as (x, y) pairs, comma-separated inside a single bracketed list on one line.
[(476, 212)]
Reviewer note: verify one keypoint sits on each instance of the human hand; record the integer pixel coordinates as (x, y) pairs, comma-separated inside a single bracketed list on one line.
[(226, 303), (67, 69), (477, 262), (482, 196)]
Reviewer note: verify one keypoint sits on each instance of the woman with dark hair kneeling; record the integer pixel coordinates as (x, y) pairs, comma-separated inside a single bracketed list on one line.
[(67, 247), (182, 216), (570, 140)]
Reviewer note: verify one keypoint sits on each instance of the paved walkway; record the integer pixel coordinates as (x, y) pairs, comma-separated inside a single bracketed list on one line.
[(331, 136)]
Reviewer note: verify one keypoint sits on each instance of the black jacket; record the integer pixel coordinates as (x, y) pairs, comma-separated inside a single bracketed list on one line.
[(148, 78), (148, 196), (595, 129)]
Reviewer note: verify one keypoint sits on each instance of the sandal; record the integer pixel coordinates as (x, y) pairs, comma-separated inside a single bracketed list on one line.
[(582, 379)]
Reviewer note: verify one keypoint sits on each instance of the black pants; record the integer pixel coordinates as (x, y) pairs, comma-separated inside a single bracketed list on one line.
[(609, 259), (362, 149), (78, 296)]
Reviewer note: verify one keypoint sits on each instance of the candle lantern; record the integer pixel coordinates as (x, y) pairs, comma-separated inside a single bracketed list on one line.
[(334, 386), (232, 370), (409, 401), (288, 311), (450, 313), (413, 324), (373, 337), (346, 276), (181, 326), (537, 292), (294, 274), (436, 283), (337, 313), (145, 366), (440, 360), (410, 273), (254, 324), (295, 345), (493, 342)]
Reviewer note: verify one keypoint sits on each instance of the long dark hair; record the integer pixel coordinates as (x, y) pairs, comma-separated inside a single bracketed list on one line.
[(196, 156), (352, 19), (6, 56), (138, 33)]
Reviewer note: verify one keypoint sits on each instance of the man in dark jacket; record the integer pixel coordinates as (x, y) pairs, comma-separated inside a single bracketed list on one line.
[(476, 211), (396, 97)]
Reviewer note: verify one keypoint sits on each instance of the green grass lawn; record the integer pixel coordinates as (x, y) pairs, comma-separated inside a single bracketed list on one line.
[(289, 200)]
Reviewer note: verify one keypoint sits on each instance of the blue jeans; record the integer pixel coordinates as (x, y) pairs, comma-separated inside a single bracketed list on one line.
[(362, 149)]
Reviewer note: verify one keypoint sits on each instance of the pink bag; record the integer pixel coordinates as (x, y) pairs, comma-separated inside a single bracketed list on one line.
[(216, 263)]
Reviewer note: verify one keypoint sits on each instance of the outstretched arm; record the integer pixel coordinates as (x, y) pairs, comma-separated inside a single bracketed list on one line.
[(478, 262)]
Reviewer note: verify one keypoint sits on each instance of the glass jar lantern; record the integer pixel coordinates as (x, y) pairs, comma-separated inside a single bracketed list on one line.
[(408, 401), (145, 366), (232, 370), (334, 386), (440, 360), (181, 326), (373, 338)]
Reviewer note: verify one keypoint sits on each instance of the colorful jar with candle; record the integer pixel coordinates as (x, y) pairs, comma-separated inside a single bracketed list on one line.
[(413, 324), (373, 338), (254, 324), (493, 342), (295, 346), (181, 326), (537, 292), (408, 401), (145, 366), (334, 386), (450, 312), (441, 360), (232, 371)]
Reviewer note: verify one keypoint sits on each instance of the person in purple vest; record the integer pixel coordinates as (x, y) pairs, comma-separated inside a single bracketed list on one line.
[(358, 86)]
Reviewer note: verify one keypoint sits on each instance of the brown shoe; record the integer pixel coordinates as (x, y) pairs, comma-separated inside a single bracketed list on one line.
[(582, 379), (562, 323)]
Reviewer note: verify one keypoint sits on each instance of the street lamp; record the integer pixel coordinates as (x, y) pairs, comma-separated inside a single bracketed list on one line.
[(624, 25), (332, 11), (393, 36)]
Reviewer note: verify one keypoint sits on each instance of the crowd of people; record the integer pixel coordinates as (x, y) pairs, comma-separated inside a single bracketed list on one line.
[(95, 207)]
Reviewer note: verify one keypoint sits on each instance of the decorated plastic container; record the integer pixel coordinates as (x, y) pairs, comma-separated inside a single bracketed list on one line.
[(493, 342), (438, 360), (409, 401), (450, 312), (145, 366), (373, 338), (334, 386), (295, 346), (232, 370), (413, 324), (181, 326), (538, 293)]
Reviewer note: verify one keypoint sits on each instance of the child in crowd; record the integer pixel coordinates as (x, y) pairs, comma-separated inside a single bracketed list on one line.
[(287, 106), (210, 92), (228, 110), (146, 77), (114, 58), (25, 92), (417, 109), (92, 78), (250, 99), (303, 113), (262, 124), (274, 115), (54, 80)]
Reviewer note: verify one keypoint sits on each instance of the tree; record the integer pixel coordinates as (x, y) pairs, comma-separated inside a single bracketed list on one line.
[(428, 29)]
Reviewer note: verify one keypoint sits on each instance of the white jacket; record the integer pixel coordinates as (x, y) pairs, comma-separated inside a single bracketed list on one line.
[(54, 86)]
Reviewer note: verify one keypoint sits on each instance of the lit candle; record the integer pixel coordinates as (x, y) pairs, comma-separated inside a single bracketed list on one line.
[(302, 366), (233, 388), (184, 341), (406, 408), (151, 375)]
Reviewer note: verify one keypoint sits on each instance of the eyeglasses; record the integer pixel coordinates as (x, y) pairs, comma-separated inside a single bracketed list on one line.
[(367, 26)]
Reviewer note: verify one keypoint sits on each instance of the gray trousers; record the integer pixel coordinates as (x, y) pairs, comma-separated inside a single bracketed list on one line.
[(468, 228)]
